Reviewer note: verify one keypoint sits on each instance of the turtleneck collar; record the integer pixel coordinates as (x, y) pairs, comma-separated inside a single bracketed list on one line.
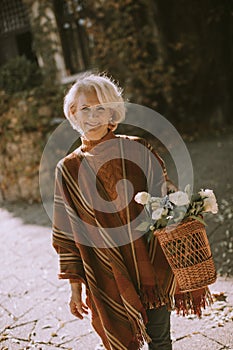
[(87, 145)]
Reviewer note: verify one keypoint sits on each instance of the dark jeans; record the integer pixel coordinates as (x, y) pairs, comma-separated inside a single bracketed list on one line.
[(158, 328)]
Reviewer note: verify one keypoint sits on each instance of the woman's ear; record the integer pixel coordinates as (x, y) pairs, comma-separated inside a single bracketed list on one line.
[(112, 125), (73, 109)]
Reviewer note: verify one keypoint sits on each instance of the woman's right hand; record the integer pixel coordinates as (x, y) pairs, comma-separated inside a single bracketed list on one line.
[(77, 307)]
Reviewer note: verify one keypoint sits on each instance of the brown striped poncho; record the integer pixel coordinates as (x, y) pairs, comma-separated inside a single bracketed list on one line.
[(96, 238)]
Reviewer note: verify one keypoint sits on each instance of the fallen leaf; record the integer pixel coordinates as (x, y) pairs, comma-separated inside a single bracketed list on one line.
[(219, 296)]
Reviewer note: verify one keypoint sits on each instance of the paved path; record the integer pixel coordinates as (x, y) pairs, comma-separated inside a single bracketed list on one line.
[(34, 310)]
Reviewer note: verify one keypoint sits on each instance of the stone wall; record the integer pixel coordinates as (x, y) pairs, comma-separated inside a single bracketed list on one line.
[(19, 165), (26, 121)]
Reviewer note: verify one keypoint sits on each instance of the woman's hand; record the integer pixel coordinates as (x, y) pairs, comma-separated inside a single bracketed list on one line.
[(77, 307)]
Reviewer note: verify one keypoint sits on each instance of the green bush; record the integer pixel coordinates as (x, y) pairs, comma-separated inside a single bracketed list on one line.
[(19, 74)]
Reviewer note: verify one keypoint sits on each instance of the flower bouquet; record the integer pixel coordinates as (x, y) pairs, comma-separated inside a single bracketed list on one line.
[(177, 221)]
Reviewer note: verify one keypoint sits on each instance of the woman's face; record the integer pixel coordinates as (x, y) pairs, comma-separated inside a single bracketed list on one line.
[(92, 117)]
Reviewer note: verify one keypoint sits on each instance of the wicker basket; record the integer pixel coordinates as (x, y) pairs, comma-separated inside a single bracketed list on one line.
[(187, 250)]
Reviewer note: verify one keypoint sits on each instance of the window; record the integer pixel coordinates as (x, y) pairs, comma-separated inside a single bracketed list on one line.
[(74, 39), (13, 16)]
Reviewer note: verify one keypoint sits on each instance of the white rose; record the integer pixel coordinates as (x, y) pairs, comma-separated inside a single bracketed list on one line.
[(158, 213), (179, 198), (210, 203), (155, 203), (142, 197)]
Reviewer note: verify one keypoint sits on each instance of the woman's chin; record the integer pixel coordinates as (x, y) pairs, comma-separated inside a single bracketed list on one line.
[(95, 133)]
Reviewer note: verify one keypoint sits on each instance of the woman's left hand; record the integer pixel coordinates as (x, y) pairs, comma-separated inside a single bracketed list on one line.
[(77, 306)]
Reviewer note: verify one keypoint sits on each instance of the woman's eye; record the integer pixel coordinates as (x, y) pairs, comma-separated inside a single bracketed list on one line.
[(85, 109), (100, 109)]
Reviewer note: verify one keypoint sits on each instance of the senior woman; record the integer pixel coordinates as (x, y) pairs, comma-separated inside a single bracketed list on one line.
[(130, 288)]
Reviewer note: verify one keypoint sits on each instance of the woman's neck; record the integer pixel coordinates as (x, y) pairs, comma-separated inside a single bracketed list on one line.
[(87, 144)]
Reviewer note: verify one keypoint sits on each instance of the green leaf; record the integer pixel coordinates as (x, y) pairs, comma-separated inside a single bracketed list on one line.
[(144, 226), (198, 218), (149, 235), (196, 197), (163, 222)]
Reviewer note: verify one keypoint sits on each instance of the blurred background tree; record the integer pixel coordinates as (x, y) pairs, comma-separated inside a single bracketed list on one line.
[(175, 57), (171, 56)]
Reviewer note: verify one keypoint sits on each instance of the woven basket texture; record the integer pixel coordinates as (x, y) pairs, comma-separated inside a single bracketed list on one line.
[(187, 249)]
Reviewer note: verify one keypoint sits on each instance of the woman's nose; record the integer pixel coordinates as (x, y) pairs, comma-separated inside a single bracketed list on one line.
[(92, 113)]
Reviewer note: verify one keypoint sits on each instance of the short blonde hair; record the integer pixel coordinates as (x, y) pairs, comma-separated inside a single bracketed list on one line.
[(107, 91)]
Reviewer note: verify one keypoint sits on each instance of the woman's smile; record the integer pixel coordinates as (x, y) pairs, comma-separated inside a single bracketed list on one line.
[(92, 124), (93, 118)]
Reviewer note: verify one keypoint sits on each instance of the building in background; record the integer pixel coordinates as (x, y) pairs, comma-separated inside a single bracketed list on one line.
[(15, 31), (23, 31)]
